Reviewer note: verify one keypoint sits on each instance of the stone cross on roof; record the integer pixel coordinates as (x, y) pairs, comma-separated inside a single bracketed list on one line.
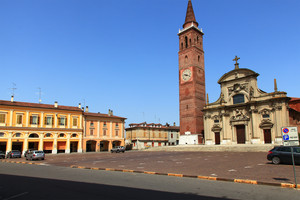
[(236, 63)]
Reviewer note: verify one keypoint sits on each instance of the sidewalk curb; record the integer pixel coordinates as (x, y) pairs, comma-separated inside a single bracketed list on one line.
[(21, 162), (244, 181)]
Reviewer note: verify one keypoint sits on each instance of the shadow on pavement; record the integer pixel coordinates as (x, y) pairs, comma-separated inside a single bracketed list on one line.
[(21, 187)]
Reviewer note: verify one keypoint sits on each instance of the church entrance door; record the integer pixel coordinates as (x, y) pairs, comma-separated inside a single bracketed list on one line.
[(240, 134), (217, 137), (267, 136)]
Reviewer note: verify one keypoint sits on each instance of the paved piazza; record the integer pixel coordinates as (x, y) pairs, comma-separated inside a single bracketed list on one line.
[(233, 165)]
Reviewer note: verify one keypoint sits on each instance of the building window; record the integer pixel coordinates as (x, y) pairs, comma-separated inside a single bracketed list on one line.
[(91, 131), (216, 121), (171, 135), (18, 135), (62, 121), (19, 119), (2, 134), (61, 135), (266, 116), (186, 41), (48, 120), (104, 132), (92, 123), (239, 98), (33, 135), (117, 133), (74, 135), (48, 135), (117, 125), (2, 118), (34, 119), (74, 121), (104, 124)]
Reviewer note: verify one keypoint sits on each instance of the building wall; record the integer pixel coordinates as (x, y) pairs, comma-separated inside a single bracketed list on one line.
[(259, 118), (105, 131), (145, 135), (24, 132)]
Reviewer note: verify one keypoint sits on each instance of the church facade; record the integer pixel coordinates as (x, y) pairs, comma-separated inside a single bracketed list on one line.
[(245, 114)]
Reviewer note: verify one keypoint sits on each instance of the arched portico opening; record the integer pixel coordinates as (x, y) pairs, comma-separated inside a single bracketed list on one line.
[(91, 146), (116, 143), (104, 145)]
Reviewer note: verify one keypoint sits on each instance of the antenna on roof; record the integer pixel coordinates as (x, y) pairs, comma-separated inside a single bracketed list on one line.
[(13, 89), (40, 95)]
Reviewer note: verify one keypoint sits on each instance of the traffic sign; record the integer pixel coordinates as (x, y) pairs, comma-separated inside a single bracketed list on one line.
[(290, 136)]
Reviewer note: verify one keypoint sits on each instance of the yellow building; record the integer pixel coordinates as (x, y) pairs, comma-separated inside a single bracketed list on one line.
[(145, 135), (52, 128), (102, 131)]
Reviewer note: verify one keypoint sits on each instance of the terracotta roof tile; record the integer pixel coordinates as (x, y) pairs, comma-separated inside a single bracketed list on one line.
[(38, 105)]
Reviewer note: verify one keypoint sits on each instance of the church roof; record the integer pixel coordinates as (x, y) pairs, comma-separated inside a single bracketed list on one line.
[(190, 16), (237, 73)]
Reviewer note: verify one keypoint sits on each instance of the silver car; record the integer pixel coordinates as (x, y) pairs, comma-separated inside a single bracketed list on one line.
[(35, 155)]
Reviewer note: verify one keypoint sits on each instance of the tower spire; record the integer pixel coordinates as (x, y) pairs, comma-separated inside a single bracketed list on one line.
[(190, 16)]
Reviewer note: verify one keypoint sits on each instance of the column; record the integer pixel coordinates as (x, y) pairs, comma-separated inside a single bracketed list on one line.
[(69, 120), (42, 119), (55, 120), (98, 127), (68, 144), (41, 143), (54, 149), (111, 129), (9, 142), (80, 145), (11, 117), (109, 145), (27, 118), (25, 142)]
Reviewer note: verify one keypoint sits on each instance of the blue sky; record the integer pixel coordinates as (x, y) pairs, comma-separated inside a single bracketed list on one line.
[(123, 54)]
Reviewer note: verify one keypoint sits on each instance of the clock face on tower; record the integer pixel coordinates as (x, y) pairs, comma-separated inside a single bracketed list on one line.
[(186, 75)]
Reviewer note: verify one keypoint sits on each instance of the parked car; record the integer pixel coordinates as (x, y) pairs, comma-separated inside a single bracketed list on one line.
[(283, 154), (118, 149), (2, 154), (35, 155), (27, 151), (13, 154)]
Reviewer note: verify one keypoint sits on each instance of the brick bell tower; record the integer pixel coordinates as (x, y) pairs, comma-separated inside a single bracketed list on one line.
[(191, 76)]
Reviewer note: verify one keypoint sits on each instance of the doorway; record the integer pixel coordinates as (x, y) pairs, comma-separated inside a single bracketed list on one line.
[(267, 136), (217, 138), (240, 134)]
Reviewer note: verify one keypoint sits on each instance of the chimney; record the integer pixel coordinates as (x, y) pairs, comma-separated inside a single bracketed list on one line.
[(86, 109), (110, 112), (174, 124), (12, 98), (79, 105), (55, 104)]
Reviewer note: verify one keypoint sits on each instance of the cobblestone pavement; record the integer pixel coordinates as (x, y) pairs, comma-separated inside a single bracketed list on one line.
[(232, 165)]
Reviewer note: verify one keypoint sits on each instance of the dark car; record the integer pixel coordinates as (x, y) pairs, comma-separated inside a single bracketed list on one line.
[(283, 154), (118, 149), (2, 154), (13, 154), (35, 155)]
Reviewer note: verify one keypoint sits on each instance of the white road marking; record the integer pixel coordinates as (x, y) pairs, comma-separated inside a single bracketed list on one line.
[(160, 161), (214, 175), (232, 170), (16, 196), (140, 167), (247, 167), (141, 163), (178, 162), (121, 165)]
